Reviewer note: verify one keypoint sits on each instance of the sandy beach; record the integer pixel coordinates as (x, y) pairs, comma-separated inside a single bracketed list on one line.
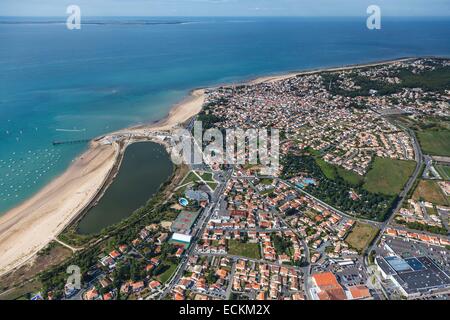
[(29, 227), (284, 76)]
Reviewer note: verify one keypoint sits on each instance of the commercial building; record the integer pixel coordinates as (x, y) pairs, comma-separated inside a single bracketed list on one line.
[(415, 276), (181, 239)]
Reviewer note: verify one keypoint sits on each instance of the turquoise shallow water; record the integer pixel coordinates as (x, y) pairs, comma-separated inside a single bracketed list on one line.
[(57, 84)]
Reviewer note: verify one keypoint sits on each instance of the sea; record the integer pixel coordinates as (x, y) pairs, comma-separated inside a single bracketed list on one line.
[(58, 84)]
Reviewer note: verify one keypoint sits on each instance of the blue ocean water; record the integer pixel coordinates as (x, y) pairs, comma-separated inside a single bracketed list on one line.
[(57, 84)]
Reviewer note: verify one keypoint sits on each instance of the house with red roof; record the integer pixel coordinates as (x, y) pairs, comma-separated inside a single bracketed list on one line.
[(326, 287)]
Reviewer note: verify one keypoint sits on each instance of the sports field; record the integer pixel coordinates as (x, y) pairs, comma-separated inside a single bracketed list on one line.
[(388, 176)]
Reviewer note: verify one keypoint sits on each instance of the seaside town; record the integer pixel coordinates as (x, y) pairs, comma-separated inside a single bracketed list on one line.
[(358, 209)]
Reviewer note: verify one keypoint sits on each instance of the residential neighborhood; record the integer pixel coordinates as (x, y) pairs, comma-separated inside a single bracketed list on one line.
[(358, 208)]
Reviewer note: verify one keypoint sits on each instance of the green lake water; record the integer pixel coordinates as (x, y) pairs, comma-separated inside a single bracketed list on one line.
[(145, 166)]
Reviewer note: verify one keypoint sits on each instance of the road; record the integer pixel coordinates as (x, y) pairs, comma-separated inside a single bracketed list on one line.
[(66, 245), (235, 257), (197, 232), (329, 207), (306, 270), (217, 195), (401, 197), (230, 284)]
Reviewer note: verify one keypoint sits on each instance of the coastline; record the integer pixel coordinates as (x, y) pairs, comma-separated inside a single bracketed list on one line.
[(30, 226), (283, 76)]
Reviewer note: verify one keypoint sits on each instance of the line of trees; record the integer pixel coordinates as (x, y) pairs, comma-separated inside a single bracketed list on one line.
[(336, 192)]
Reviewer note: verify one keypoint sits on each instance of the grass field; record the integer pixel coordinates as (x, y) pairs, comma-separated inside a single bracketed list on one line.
[(266, 192), (432, 211), (328, 169), (428, 190), (165, 276), (435, 142), (191, 177), (350, 176), (332, 172), (250, 250), (213, 185), (444, 171), (388, 176), (361, 236), (207, 176), (266, 181)]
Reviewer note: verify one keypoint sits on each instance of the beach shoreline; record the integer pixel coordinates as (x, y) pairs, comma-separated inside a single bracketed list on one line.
[(30, 226)]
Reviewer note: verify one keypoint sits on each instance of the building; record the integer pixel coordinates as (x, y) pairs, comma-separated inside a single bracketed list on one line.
[(197, 195), (358, 292), (415, 276), (181, 239), (326, 287)]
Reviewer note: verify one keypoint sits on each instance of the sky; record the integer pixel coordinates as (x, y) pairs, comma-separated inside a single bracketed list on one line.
[(225, 7)]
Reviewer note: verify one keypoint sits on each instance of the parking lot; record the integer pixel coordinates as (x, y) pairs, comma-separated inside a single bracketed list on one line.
[(406, 249)]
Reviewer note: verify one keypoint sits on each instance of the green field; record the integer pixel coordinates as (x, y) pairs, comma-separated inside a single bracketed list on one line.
[(191, 177), (328, 169), (250, 250), (213, 185), (350, 176), (432, 211), (332, 172), (165, 276), (435, 142), (388, 176), (207, 176), (444, 171), (268, 191), (428, 190), (266, 181), (361, 236)]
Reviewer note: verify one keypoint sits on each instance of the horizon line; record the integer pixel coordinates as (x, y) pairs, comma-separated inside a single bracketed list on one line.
[(227, 16)]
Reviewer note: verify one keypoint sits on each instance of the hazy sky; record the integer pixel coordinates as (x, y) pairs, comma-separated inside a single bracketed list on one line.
[(225, 7)]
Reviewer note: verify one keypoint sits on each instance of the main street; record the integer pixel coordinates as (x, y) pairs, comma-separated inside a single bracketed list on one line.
[(197, 232), (307, 269)]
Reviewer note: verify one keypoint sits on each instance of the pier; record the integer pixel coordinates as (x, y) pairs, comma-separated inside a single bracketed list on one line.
[(59, 142)]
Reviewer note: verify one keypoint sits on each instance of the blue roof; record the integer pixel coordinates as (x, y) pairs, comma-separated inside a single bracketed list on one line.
[(415, 264), (398, 264)]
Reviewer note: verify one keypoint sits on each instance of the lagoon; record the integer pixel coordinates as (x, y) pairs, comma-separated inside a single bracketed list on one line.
[(145, 166)]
